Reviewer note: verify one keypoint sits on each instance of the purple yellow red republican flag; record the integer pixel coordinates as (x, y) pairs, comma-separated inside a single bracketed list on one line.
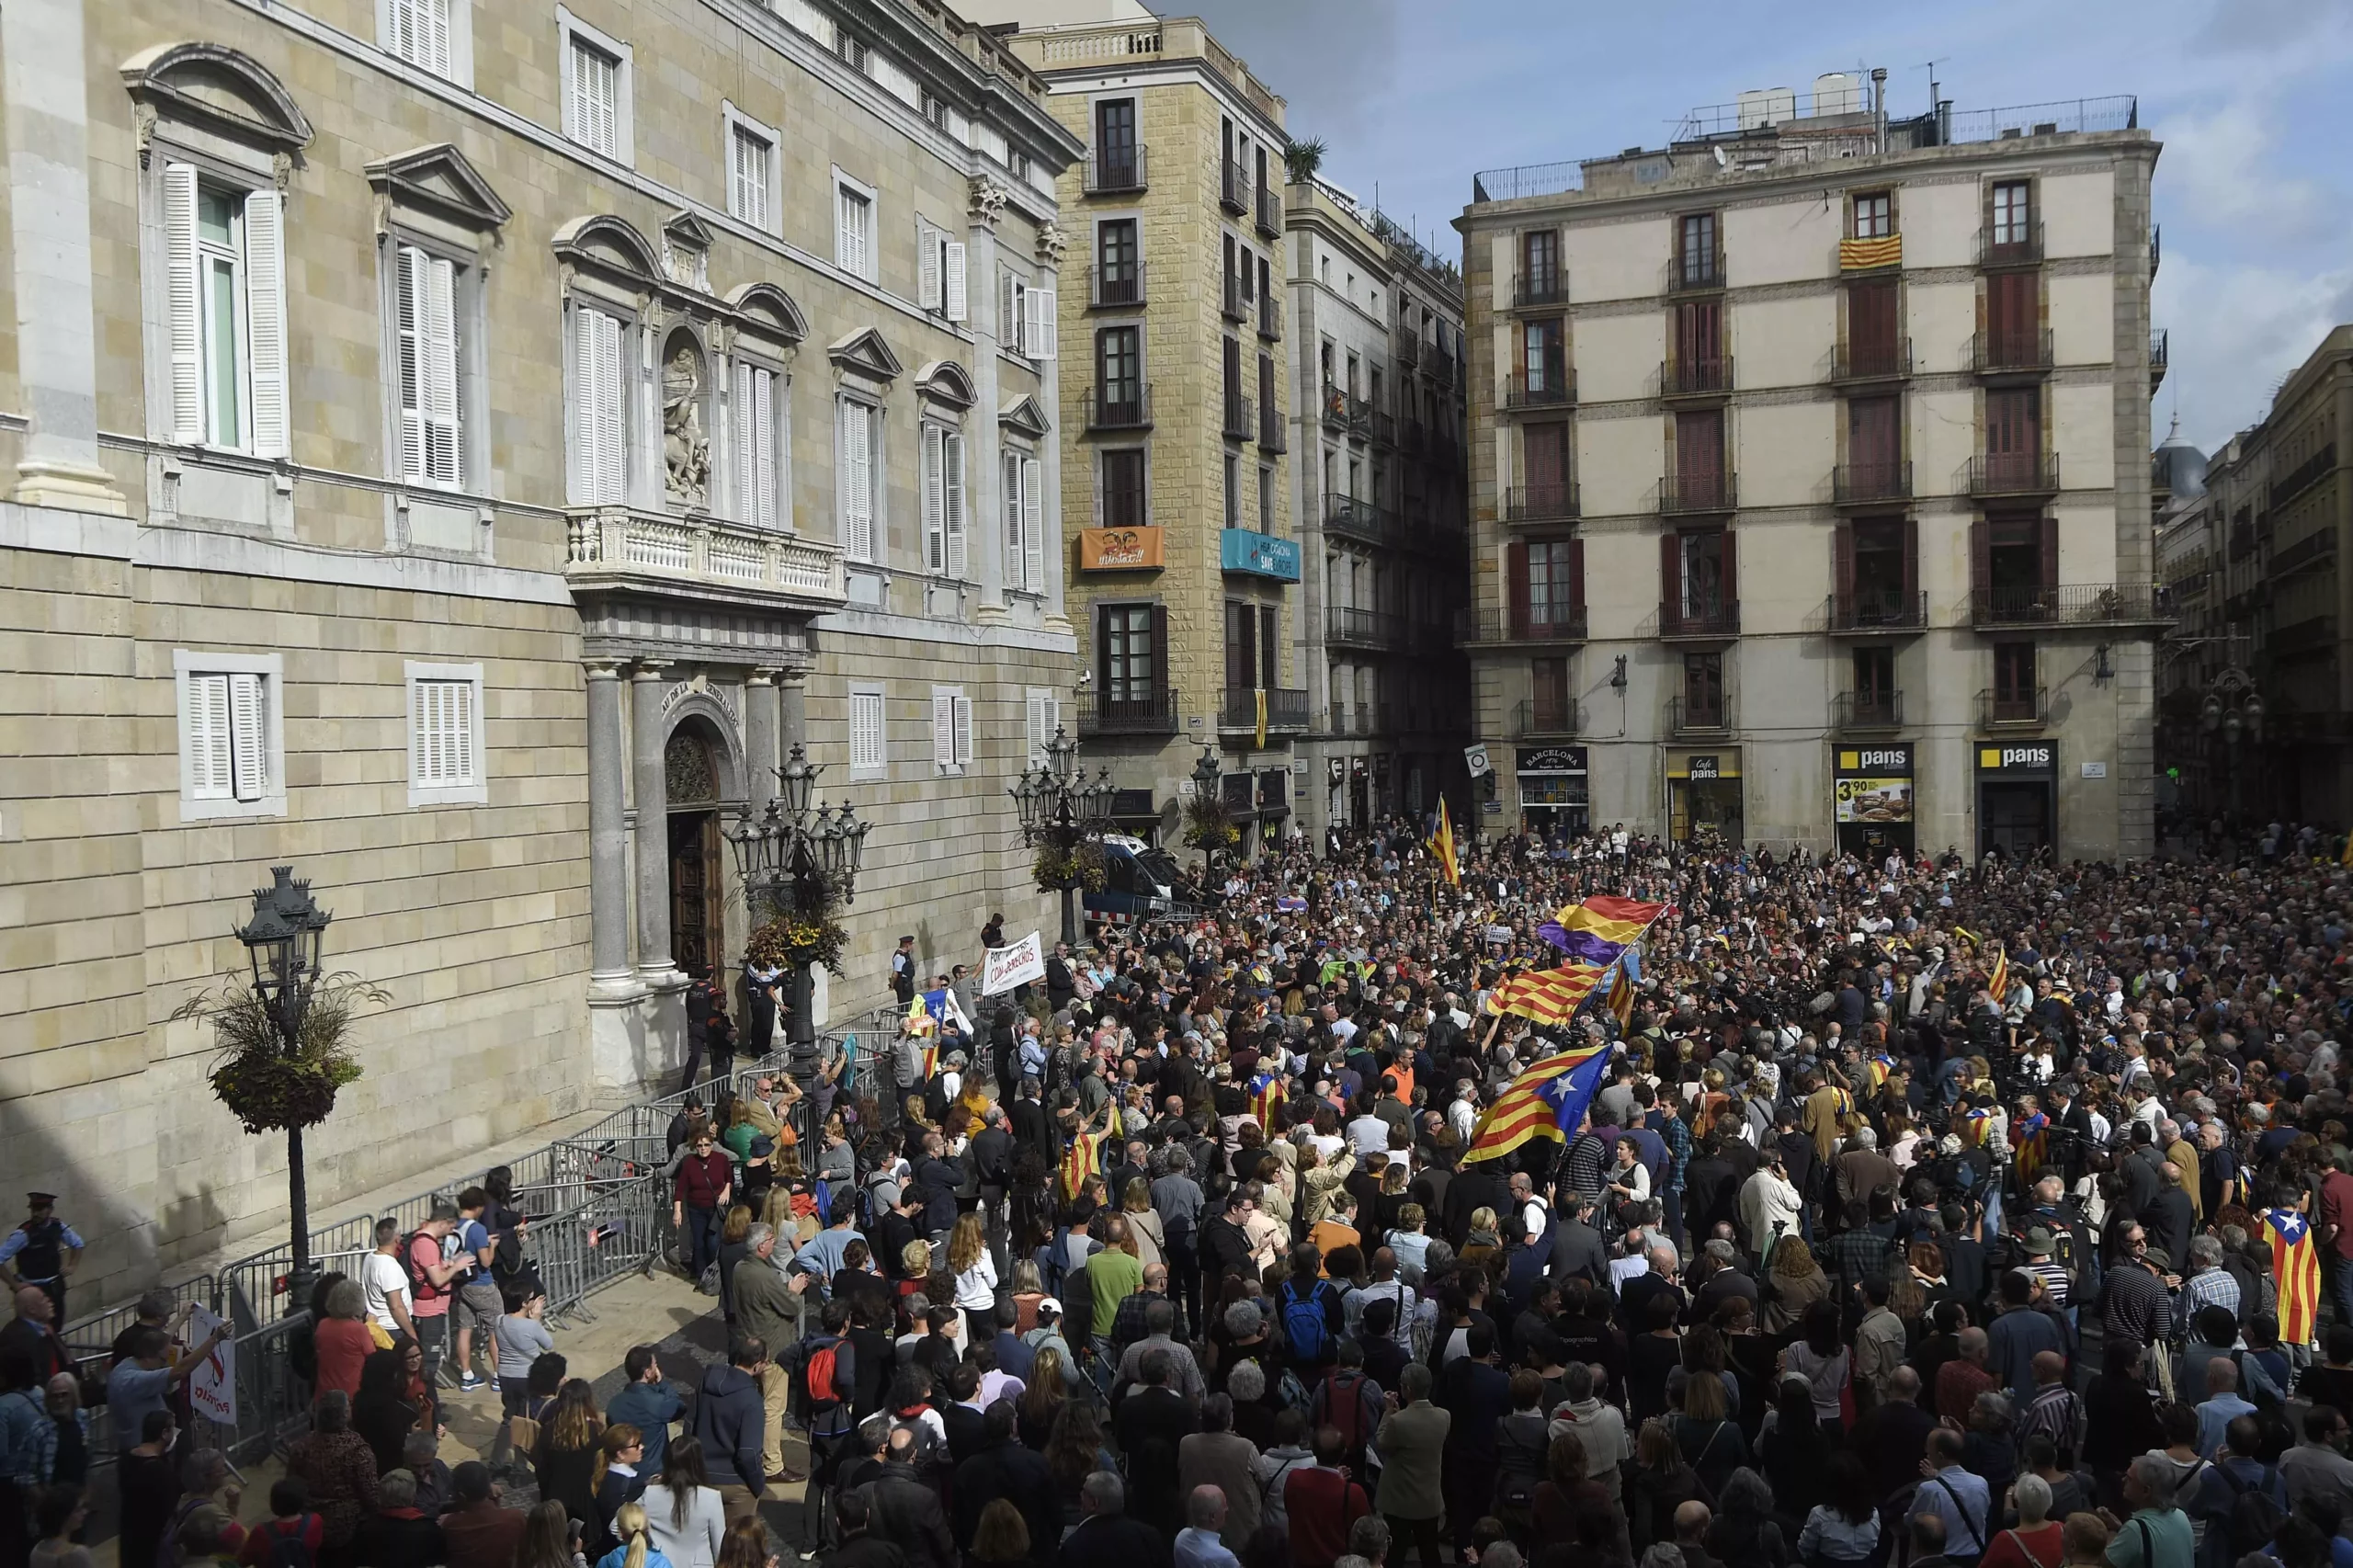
[(1596, 930)]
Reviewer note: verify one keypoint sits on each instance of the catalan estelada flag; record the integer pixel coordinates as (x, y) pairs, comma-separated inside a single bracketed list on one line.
[(1974, 1127), (1547, 996), (1265, 1099), (1621, 1001), (1080, 1161), (1546, 1101), (1600, 929), (1878, 1068), (2030, 1136), (1442, 846), (2295, 1262), (1998, 981)]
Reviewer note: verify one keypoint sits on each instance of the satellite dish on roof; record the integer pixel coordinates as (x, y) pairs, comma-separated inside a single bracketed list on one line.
[(1721, 162)]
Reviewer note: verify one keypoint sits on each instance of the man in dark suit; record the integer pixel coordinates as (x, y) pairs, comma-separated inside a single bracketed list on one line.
[(1001, 1467), (966, 1425), (700, 996), (1031, 1130), (1577, 1249), (1060, 984), (1150, 1423), (856, 1548), (904, 1510), (1106, 1537)]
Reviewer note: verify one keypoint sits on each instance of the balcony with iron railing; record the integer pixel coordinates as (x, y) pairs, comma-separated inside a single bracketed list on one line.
[(1346, 625), (1241, 417), (1286, 709), (1385, 426), (1269, 212), (2160, 349), (1858, 362), (1358, 518), (1551, 384), (1687, 495), (1996, 476), (1695, 377), (2024, 352), (1271, 435), (2156, 249), (1541, 290), (1115, 170), (1547, 718), (2006, 707), (1412, 435), (2075, 604), (1440, 366), (1232, 303), (1270, 317), (1409, 347), (1871, 612), (1359, 415), (1125, 408), (1233, 189), (1336, 407), (1693, 272), (1682, 718), (1153, 712), (1854, 712), (1115, 288), (1546, 623), (1869, 483), (2014, 245), (1558, 502), (1707, 620)]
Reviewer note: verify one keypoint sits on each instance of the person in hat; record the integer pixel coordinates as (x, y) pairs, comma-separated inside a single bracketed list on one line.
[(44, 1251)]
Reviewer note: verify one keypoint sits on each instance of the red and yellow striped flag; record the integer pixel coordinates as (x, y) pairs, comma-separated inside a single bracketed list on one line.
[(1442, 845), (1080, 1161), (1547, 996)]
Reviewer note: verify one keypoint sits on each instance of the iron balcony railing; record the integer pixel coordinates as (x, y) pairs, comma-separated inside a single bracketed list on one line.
[(1685, 718), (1233, 304), (1359, 519), (1115, 169), (2000, 706), (1271, 437), (1857, 484), (1551, 384), (2011, 245), (2075, 604), (1286, 709), (2014, 473), (1115, 286), (1709, 375), (1536, 289), (1361, 627), (1409, 348), (2024, 351), (1119, 408), (1270, 317), (1233, 189), (1151, 712), (1535, 623), (1693, 271), (1241, 417), (2160, 345), (1385, 426), (1542, 503), (1685, 494), (1269, 212), (1867, 711), (1698, 618), (1871, 610), (1440, 366), (1336, 406), (1872, 362), (1537, 717), (1360, 414)]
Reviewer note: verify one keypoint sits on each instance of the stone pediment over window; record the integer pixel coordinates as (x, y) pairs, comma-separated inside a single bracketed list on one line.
[(945, 381), (1024, 417), (440, 181), (770, 311), (219, 88), (865, 353), (686, 252), (607, 245)]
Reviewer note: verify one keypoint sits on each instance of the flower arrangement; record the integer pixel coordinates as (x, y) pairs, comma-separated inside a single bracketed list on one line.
[(1081, 866), (1206, 828), (264, 1087), (790, 941)]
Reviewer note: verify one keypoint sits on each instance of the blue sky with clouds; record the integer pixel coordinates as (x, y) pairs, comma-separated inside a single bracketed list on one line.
[(2252, 99)]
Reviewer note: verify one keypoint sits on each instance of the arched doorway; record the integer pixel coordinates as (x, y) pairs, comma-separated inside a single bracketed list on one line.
[(698, 881)]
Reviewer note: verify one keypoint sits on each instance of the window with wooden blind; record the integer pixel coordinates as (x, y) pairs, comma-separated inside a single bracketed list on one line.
[(1699, 345), (1703, 691), (755, 406), (600, 422), (1240, 645), (596, 87), (943, 501), (951, 728), (942, 281), (2014, 682), (231, 745), (1872, 335), (1877, 573), (750, 168), (1121, 472), (425, 33), (854, 228), (856, 452), (1699, 457), (1875, 447), (1698, 585), (444, 739), (1545, 468), (2013, 438), (1549, 685), (224, 253), (426, 328), (1041, 718), (2013, 320), (869, 753)]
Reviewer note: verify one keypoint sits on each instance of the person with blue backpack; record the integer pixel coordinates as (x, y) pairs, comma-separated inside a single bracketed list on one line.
[(1313, 1315)]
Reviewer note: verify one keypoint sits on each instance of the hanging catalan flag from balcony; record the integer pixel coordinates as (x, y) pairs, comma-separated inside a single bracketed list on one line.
[(1857, 255)]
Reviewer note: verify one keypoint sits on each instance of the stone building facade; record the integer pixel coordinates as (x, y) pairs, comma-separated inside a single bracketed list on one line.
[(1176, 502), (1810, 491), (1377, 459), (458, 450)]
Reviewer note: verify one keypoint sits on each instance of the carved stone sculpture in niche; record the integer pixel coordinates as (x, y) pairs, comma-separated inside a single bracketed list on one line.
[(686, 450)]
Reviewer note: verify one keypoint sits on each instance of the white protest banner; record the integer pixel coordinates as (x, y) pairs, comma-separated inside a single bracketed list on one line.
[(213, 1386), (1008, 967)]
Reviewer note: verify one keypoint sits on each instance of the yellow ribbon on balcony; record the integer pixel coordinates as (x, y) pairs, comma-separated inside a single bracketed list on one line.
[(1261, 743), (1854, 256)]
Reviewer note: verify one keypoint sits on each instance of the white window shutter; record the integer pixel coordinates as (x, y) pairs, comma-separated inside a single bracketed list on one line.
[(248, 761), (266, 319), (763, 488), (1033, 529), (1028, 302), (183, 297), (1008, 506), (953, 254), (857, 498), (1034, 727), (1049, 717), (929, 284), (441, 459), (409, 307), (935, 504), (584, 409), (1049, 324), (943, 730), (866, 744), (612, 425), (206, 740), (424, 755), (963, 730), (740, 439), (1009, 311), (437, 23), (952, 448)]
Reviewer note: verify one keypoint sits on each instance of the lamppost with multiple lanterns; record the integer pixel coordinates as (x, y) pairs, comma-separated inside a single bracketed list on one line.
[(284, 940), (2233, 712), (798, 858), (1061, 810)]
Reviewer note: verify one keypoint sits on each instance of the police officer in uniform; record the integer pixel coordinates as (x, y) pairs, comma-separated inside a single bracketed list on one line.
[(42, 1252)]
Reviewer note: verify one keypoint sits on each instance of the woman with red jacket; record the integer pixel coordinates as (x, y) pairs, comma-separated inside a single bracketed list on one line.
[(706, 1180)]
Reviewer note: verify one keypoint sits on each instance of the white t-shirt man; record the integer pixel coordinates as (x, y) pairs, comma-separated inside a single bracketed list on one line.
[(383, 1277), (1369, 1135)]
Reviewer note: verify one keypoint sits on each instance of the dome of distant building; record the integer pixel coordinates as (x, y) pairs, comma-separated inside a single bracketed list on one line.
[(2182, 465)]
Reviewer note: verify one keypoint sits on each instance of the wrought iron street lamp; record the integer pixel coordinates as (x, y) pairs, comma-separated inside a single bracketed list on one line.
[(284, 940), (797, 857), (1061, 808), (2232, 711)]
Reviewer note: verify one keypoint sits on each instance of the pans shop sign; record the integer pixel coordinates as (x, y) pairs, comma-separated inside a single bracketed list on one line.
[(1871, 797)]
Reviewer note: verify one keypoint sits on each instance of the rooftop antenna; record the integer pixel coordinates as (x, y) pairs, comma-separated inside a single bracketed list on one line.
[(1935, 94)]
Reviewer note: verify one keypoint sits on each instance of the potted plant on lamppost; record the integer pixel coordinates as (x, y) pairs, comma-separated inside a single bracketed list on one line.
[(1064, 816), (799, 861), (286, 1046), (1206, 826)]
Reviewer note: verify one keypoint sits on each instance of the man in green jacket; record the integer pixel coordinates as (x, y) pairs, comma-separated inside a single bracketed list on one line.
[(771, 1306)]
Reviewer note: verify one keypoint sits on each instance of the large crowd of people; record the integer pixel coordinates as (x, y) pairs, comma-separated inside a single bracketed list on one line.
[(1924, 1212)]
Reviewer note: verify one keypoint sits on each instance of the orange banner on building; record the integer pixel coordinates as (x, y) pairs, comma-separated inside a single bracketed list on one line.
[(1118, 549), (1856, 254)]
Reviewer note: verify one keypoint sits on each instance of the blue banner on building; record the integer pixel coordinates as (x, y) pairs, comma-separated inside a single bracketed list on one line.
[(1262, 555)]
